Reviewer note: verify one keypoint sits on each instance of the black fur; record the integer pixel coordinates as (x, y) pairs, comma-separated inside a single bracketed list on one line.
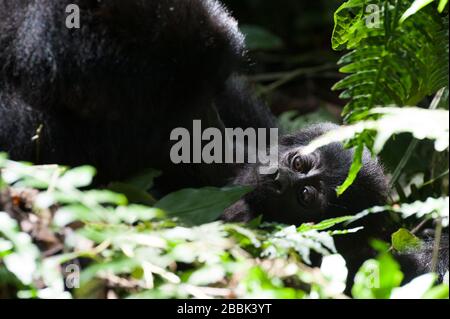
[(419, 261), (110, 93)]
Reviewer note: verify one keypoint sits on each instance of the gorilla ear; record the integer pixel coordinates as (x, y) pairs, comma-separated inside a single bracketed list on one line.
[(238, 212)]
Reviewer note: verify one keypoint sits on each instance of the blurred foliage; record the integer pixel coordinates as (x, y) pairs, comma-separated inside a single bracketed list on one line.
[(72, 243)]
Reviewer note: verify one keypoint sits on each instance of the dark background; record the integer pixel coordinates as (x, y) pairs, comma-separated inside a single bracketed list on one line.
[(303, 32)]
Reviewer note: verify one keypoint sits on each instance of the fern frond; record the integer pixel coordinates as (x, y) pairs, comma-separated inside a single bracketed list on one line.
[(396, 63)]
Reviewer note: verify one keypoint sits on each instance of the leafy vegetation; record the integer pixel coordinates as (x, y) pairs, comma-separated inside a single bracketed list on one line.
[(137, 251), (61, 239), (399, 56)]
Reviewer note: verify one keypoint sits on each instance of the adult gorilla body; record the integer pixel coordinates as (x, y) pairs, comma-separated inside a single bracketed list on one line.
[(109, 94)]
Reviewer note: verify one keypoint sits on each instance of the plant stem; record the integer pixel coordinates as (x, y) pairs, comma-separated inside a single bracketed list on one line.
[(437, 245)]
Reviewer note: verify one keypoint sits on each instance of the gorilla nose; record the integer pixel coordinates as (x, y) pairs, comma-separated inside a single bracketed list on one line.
[(282, 180)]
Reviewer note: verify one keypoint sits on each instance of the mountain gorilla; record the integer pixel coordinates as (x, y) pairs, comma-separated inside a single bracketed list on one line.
[(109, 94)]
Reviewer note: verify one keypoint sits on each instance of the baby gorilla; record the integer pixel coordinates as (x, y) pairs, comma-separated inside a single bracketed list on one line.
[(303, 189)]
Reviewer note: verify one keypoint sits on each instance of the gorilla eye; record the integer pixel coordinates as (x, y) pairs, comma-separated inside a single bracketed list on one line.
[(307, 195), (297, 164)]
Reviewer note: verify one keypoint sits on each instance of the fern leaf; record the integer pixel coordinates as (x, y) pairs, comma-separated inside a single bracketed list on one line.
[(396, 63)]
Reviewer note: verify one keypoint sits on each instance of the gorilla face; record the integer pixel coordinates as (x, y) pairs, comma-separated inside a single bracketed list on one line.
[(304, 187)]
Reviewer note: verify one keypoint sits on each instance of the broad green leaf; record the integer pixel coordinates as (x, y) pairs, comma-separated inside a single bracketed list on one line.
[(201, 206), (404, 241)]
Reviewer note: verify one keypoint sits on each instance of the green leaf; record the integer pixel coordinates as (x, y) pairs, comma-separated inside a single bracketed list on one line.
[(201, 206), (136, 213), (258, 285), (26, 175), (105, 197), (350, 25), (118, 266), (3, 158), (377, 278), (442, 4), (77, 177), (404, 241), (71, 213), (23, 260), (207, 275), (416, 6), (5, 246), (324, 225), (435, 208), (438, 292), (423, 124), (145, 180), (354, 170), (288, 239), (395, 63), (137, 195)]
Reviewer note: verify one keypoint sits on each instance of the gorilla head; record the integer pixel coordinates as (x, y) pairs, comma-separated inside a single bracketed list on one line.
[(304, 187)]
